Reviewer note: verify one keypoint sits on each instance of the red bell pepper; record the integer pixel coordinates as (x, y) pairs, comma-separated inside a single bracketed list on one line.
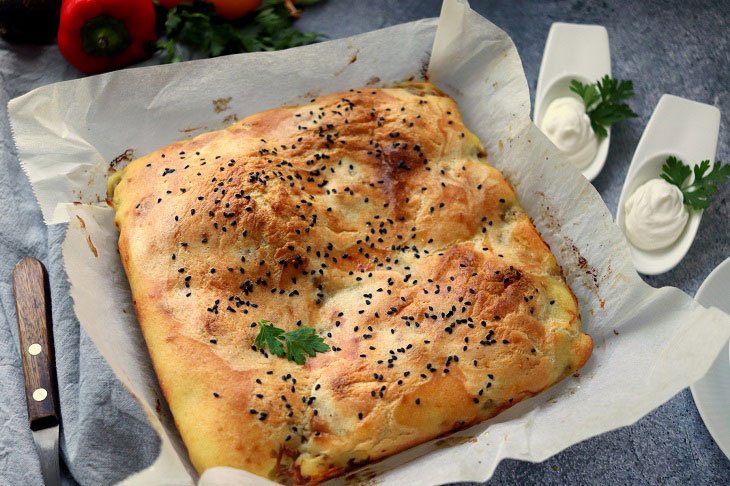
[(101, 35)]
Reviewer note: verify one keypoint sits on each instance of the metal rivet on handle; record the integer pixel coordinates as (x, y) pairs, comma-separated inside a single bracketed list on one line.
[(40, 394), (34, 349)]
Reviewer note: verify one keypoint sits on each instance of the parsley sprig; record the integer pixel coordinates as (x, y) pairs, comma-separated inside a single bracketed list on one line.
[(196, 27), (299, 343), (602, 100), (697, 194)]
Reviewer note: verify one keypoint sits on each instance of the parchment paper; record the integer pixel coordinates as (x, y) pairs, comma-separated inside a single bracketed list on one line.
[(649, 343)]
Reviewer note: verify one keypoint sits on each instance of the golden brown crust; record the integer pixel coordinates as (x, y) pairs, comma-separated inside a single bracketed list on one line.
[(372, 216)]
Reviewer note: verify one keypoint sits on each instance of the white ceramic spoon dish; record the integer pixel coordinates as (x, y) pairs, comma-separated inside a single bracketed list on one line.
[(573, 51), (712, 392), (683, 128)]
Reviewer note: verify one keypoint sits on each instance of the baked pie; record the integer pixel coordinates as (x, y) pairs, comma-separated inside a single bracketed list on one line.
[(372, 217)]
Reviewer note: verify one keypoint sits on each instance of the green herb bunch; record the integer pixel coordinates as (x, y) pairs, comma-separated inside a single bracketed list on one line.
[(698, 193), (196, 27), (299, 343), (603, 102)]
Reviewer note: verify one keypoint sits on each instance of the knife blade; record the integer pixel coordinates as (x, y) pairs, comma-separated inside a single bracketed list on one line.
[(35, 332)]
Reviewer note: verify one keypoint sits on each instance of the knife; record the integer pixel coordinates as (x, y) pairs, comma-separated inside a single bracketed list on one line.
[(35, 330)]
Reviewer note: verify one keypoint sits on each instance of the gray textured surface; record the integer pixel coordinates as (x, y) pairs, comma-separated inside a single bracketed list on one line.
[(681, 48)]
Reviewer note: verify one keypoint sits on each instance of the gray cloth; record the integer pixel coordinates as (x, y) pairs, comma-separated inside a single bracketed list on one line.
[(105, 435), (680, 48)]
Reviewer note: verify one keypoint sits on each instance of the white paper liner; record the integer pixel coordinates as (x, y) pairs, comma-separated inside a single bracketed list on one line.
[(649, 343)]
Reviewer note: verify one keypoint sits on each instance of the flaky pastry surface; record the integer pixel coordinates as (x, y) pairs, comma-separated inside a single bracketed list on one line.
[(373, 216)]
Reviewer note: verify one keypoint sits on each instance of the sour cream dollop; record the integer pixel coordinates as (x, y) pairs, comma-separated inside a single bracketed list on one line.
[(567, 125), (655, 215)]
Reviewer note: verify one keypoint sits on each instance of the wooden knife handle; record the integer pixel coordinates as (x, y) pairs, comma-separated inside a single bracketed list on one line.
[(33, 306)]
